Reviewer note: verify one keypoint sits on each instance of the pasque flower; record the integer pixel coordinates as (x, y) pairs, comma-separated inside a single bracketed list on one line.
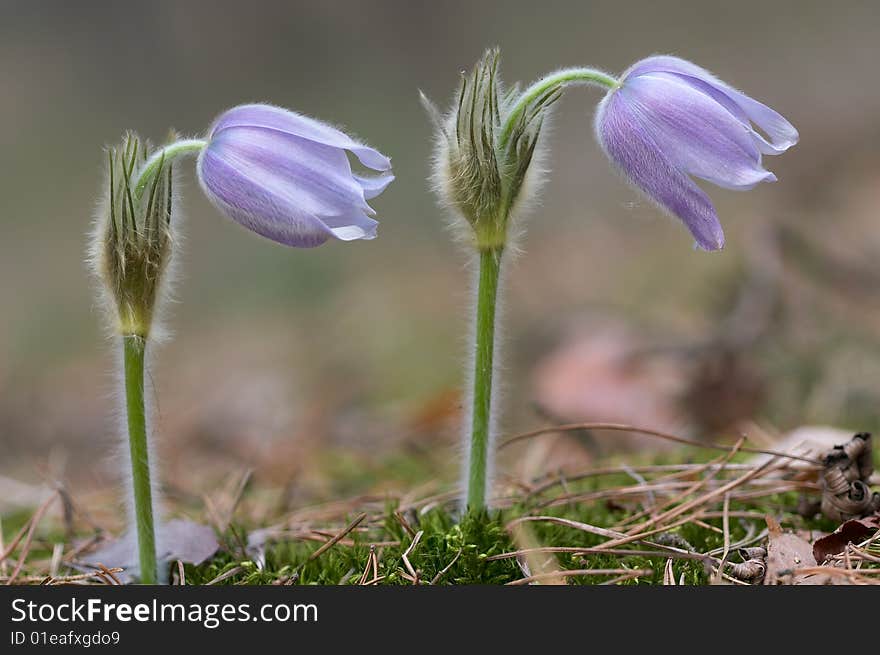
[(668, 120), (485, 149), (664, 121), (284, 176), (288, 177)]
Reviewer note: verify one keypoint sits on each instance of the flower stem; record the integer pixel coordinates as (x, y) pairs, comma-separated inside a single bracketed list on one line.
[(133, 347), (165, 154), (545, 84), (487, 293)]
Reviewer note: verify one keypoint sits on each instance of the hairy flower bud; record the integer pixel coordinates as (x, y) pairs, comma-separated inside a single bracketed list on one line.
[(132, 242), (485, 146)]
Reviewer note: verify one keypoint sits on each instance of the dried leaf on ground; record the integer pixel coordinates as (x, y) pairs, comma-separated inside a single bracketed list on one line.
[(786, 552), (179, 539), (853, 531), (606, 373), (848, 467), (806, 441), (753, 565)]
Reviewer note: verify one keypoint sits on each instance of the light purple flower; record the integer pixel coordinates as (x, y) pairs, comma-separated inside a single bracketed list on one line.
[(287, 177), (669, 119)]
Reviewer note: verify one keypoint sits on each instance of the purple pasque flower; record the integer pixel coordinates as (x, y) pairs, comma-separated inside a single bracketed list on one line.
[(288, 177), (669, 120)]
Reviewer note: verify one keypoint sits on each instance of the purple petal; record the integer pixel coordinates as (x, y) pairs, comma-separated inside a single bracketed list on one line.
[(373, 186), (627, 141), (288, 122), (314, 177), (352, 227), (782, 134), (271, 211), (669, 64), (288, 178), (698, 135)]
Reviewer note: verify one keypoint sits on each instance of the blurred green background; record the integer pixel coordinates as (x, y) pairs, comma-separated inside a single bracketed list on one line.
[(352, 352)]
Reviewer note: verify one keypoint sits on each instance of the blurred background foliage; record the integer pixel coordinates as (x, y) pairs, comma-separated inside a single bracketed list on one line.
[(336, 369)]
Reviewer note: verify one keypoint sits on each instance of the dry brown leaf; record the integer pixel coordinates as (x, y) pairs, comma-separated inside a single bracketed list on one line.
[(786, 552), (853, 531), (848, 467), (806, 441), (601, 373), (753, 566), (178, 539)]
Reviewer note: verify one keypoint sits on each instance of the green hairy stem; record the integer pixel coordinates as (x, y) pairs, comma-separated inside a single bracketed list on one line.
[(133, 348), (546, 85), (516, 121), (487, 294), (164, 156)]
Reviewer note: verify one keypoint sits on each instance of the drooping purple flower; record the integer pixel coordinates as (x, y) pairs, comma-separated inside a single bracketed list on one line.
[(288, 177), (670, 120)]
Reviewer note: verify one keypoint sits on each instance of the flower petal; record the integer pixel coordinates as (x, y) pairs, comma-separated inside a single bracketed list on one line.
[(288, 122), (373, 186), (315, 177), (783, 134), (629, 144), (258, 207), (669, 64), (349, 228), (697, 135)]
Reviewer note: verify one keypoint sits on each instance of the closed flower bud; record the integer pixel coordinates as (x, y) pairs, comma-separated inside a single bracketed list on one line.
[(132, 243), (485, 147)]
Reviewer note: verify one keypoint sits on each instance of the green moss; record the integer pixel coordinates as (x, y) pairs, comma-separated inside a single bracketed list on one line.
[(454, 549)]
